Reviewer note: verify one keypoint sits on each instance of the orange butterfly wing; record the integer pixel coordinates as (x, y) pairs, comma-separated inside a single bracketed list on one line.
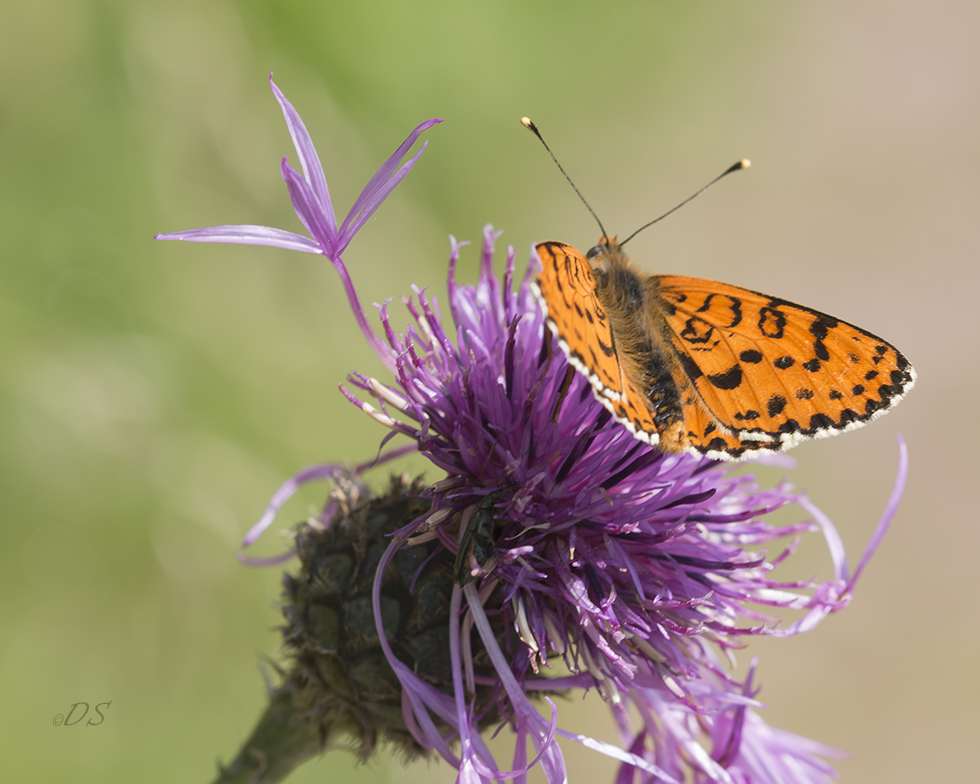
[(770, 372), (753, 373), (705, 436), (634, 412), (566, 290)]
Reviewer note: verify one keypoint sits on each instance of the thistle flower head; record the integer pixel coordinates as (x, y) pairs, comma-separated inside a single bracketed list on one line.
[(620, 568), (583, 558)]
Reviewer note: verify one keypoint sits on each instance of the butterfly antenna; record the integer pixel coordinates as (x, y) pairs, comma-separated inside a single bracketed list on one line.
[(742, 164), (527, 123)]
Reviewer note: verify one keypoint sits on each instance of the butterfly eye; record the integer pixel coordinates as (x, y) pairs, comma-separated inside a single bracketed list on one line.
[(595, 251)]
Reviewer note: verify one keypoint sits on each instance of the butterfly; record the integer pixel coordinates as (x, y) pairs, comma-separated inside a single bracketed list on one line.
[(699, 366)]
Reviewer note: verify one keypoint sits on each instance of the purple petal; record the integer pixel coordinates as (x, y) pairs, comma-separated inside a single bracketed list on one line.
[(308, 159), (275, 560), (617, 753), (246, 234), (384, 174), (353, 222), (286, 491), (308, 209), (890, 510)]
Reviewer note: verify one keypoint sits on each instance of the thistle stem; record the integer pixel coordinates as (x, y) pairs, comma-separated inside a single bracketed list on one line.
[(282, 740)]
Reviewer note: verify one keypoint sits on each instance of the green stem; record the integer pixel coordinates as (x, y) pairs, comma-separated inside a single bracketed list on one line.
[(281, 741)]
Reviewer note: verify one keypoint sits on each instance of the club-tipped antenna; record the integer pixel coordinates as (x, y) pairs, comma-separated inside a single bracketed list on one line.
[(527, 123), (742, 164)]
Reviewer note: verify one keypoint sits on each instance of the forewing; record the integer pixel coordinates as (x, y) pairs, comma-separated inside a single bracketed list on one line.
[(566, 289), (767, 369)]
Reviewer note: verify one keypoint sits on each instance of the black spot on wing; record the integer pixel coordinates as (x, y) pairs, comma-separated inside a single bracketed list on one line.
[(772, 322), (871, 406), (732, 304), (820, 421), (858, 389), (835, 395), (812, 365), (730, 379), (697, 331), (609, 350), (775, 405), (820, 328), (751, 356), (720, 445), (804, 394), (789, 426), (784, 363), (690, 366), (888, 391)]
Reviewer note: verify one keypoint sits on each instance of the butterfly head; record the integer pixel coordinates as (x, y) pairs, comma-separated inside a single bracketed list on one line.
[(606, 254)]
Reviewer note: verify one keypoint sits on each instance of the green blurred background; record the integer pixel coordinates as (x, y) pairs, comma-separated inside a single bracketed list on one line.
[(153, 396)]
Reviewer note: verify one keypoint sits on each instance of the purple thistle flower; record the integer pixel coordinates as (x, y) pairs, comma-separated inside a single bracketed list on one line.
[(638, 572)]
